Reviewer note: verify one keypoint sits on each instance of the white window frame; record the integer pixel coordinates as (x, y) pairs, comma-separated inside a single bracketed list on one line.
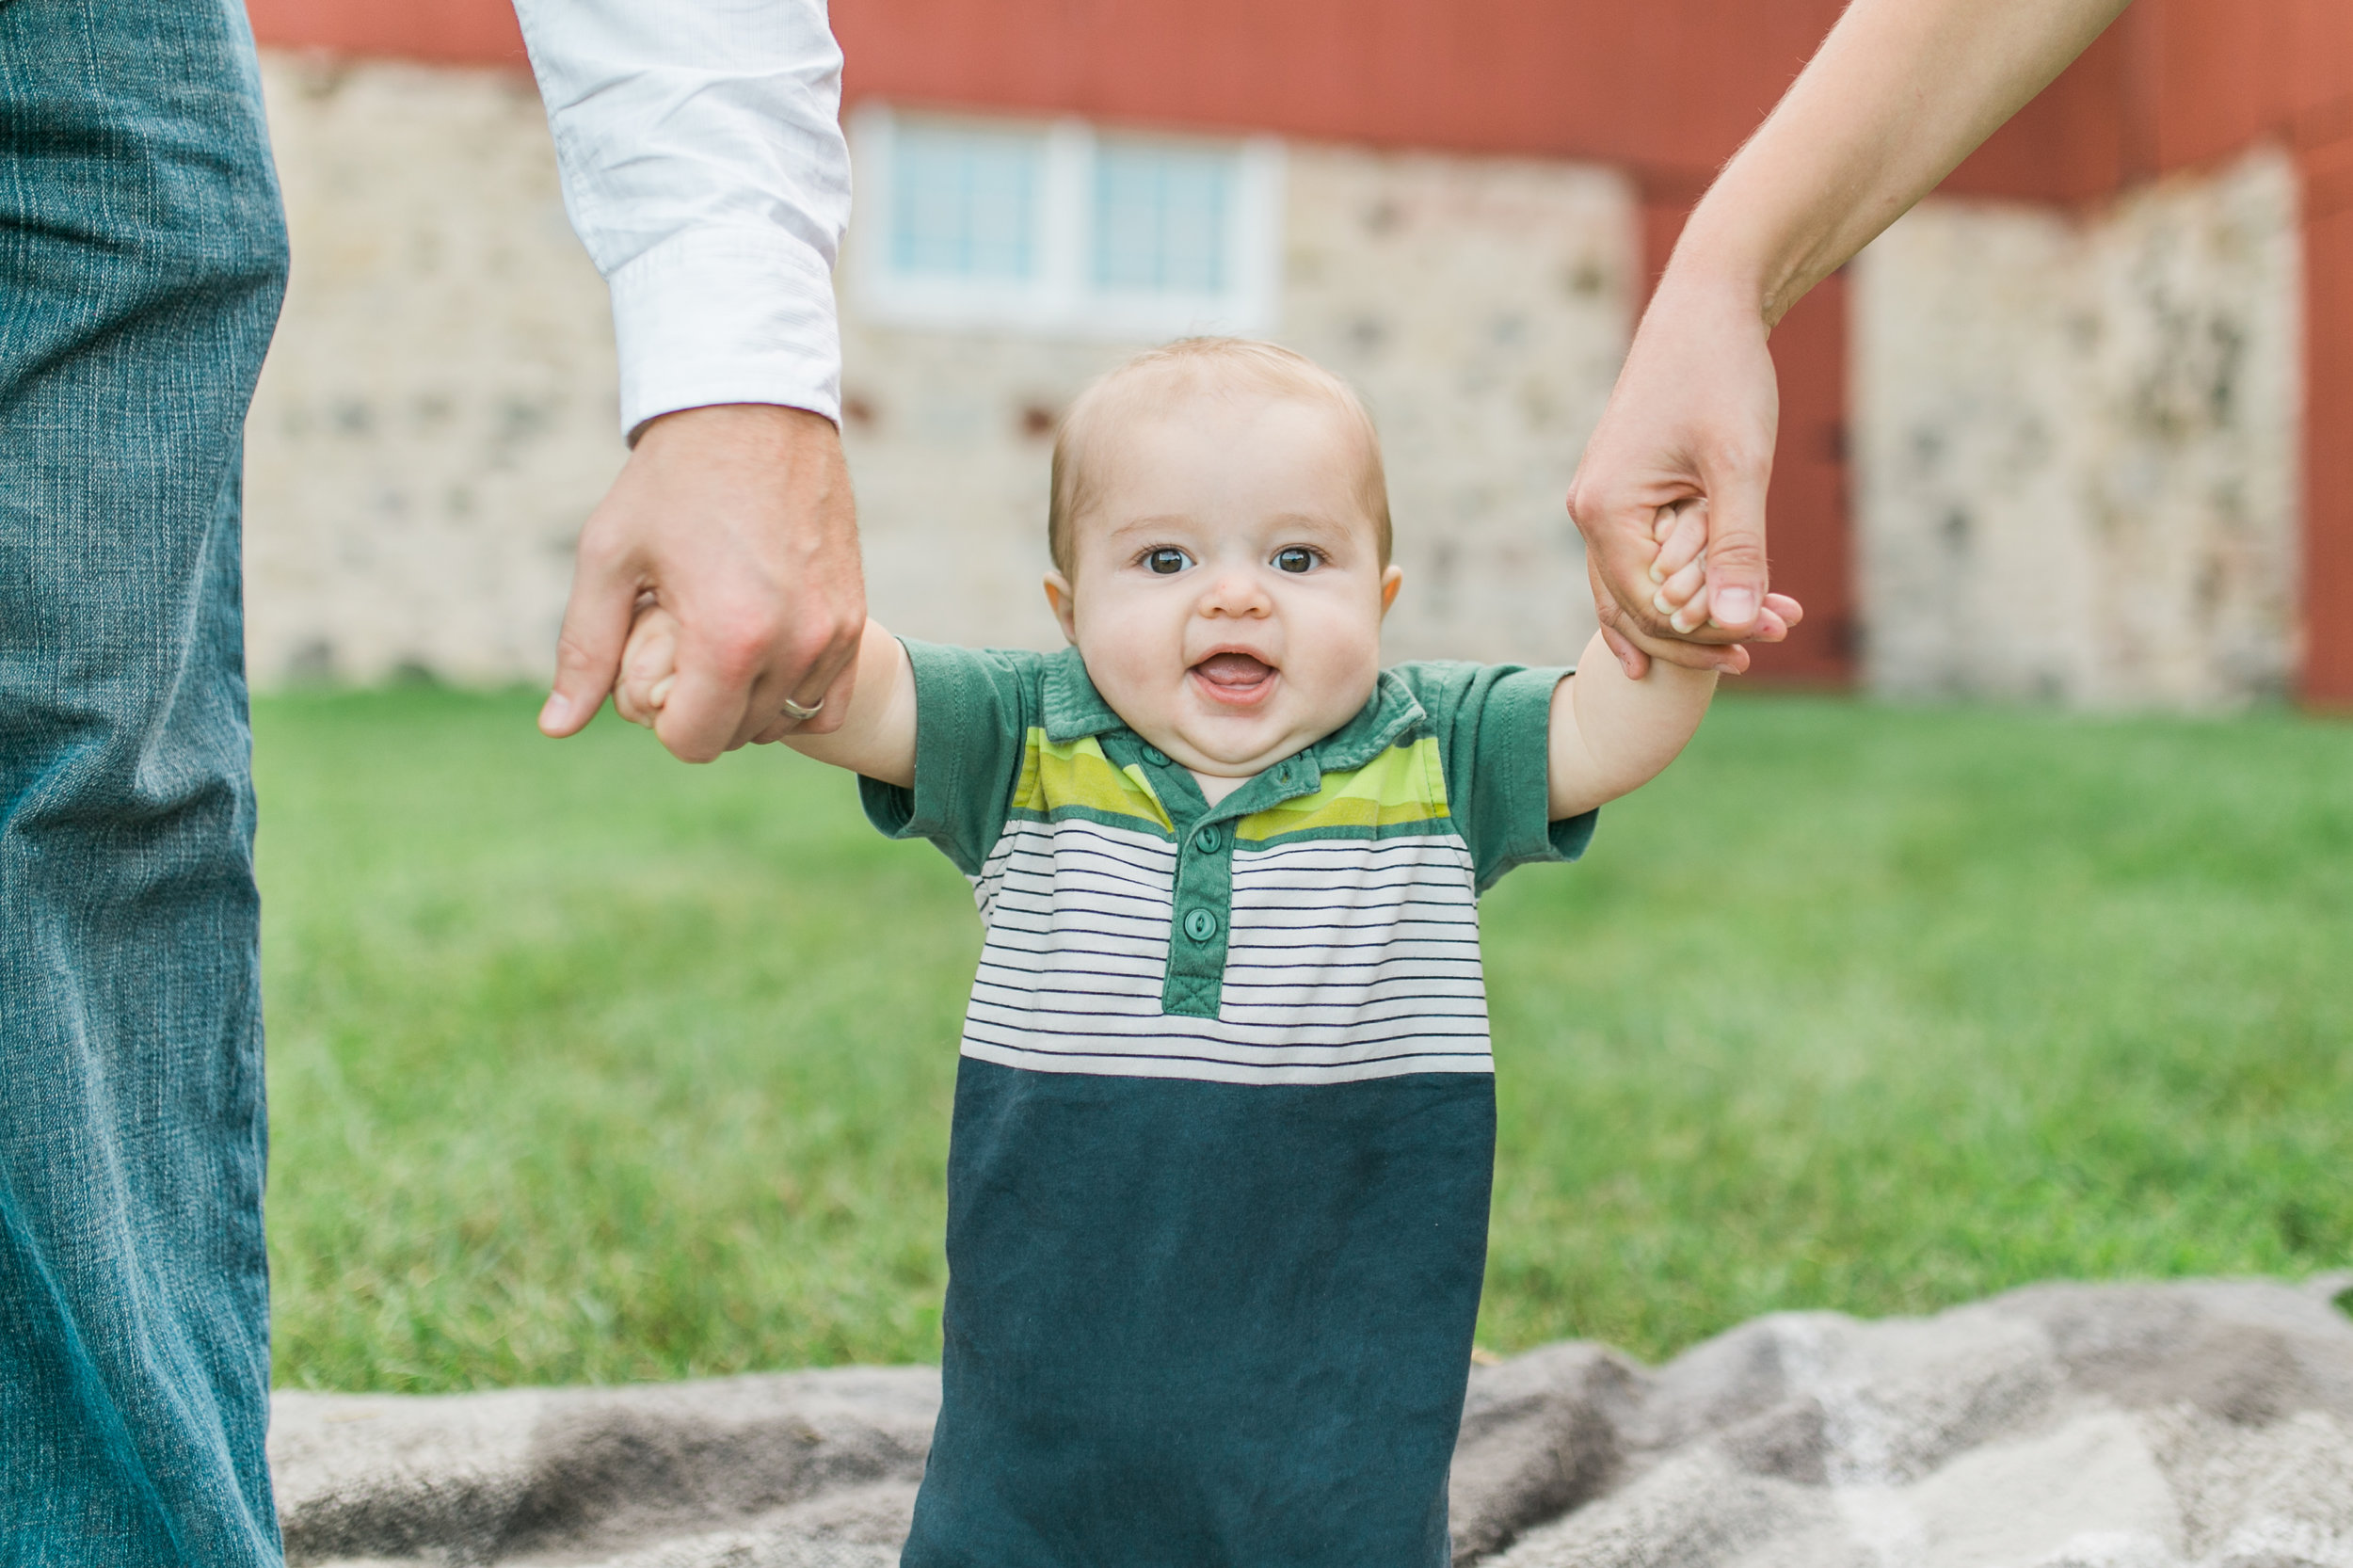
[(1063, 299)]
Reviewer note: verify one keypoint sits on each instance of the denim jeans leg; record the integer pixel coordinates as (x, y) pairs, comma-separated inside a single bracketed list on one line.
[(142, 258)]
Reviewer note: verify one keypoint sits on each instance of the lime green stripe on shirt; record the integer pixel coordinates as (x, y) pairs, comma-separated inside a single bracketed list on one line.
[(1403, 786), (1058, 774)]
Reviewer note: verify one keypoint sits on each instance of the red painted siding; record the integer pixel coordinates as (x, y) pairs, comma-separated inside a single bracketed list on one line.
[(1811, 537), (1574, 78), (2328, 425), (1667, 89), (448, 32)]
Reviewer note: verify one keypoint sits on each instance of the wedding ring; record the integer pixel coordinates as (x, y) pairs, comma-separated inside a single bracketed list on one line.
[(799, 714)]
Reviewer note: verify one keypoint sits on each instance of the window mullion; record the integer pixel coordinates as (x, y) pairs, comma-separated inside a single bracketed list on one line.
[(1255, 242), (1069, 219)]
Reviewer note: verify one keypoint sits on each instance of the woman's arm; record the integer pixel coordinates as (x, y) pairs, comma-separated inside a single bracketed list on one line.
[(1900, 92)]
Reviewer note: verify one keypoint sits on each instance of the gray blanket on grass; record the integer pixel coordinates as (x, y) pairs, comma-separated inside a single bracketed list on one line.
[(2060, 1425)]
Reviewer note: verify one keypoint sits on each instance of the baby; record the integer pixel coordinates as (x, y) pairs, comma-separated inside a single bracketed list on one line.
[(1224, 1119)]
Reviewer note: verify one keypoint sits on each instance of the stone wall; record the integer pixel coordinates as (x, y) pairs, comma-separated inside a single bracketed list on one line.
[(2076, 444), (437, 417)]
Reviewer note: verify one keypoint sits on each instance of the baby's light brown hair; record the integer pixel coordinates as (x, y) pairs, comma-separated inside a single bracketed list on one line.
[(1201, 367)]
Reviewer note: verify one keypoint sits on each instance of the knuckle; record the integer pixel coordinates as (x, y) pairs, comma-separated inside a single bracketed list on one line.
[(1739, 459), (599, 555), (1739, 554), (573, 656), (739, 646), (811, 641)]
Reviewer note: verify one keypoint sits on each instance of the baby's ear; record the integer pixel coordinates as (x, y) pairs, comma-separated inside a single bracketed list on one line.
[(1064, 605), (1392, 579)]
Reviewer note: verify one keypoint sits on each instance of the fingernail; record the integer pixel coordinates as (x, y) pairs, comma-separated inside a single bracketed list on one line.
[(1658, 602), (660, 693), (1657, 576), (1736, 605), (1678, 622), (554, 710)]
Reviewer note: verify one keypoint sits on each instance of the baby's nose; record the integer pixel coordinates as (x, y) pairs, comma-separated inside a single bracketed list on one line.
[(1234, 593)]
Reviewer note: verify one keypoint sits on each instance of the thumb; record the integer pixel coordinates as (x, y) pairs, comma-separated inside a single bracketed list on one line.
[(1736, 573), (588, 652)]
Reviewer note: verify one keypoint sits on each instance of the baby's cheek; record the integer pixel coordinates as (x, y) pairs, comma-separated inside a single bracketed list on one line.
[(1127, 671), (1344, 665)]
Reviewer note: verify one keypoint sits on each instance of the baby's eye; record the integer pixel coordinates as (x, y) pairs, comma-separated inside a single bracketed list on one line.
[(1296, 557), (1166, 561)]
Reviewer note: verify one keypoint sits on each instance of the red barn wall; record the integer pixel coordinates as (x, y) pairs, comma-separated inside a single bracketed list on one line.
[(445, 32)]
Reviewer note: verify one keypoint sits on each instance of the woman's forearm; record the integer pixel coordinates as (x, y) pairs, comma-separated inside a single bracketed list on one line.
[(1899, 94)]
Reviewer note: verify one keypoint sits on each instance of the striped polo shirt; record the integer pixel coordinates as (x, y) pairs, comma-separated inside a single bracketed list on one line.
[(1224, 1119)]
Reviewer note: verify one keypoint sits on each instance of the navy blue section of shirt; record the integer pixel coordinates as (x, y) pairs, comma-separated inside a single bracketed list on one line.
[(1203, 1325)]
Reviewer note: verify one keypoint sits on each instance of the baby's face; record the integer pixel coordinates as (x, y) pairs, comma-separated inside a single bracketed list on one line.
[(1227, 589)]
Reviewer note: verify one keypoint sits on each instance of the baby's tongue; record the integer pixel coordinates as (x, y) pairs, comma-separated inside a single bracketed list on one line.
[(1234, 669)]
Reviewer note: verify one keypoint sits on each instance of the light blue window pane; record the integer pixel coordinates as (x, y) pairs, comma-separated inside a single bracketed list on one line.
[(1161, 218), (965, 203)]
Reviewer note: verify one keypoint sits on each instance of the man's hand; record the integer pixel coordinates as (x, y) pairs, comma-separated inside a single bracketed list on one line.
[(738, 520)]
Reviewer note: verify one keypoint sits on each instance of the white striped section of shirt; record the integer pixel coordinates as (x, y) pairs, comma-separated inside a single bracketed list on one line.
[(1347, 959)]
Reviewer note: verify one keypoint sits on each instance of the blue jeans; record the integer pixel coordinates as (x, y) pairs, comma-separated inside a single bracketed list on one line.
[(142, 257)]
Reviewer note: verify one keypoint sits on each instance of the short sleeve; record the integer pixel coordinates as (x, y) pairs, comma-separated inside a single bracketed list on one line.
[(1493, 729), (973, 712)]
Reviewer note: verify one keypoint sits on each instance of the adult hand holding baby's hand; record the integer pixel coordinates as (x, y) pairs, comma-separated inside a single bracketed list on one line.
[(1689, 432), (648, 665), (1680, 571), (738, 520), (1678, 578)]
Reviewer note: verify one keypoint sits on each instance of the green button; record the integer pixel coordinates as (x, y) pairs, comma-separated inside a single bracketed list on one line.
[(1155, 756), (1200, 924), (1206, 840)]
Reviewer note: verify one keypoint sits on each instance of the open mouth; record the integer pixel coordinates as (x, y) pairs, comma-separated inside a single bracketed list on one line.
[(1233, 678)]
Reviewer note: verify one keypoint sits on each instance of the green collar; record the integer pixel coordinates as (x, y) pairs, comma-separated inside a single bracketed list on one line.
[(1075, 710)]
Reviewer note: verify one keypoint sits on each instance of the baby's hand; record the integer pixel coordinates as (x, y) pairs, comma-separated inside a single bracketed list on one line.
[(1680, 568), (648, 665)]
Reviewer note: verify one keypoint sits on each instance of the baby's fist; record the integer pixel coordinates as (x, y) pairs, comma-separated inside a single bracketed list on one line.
[(648, 665)]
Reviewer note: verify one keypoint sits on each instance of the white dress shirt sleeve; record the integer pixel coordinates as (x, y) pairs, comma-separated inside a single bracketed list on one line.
[(704, 167)]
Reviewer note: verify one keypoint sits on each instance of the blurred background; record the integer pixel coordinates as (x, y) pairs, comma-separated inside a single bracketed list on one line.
[(2067, 431), (588, 1065)]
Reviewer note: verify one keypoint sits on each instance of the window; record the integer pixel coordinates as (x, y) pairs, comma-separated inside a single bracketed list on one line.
[(968, 223), (964, 204), (1160, 216)]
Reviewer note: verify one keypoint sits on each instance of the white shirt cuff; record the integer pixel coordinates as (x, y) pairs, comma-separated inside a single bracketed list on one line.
[(726, 316)]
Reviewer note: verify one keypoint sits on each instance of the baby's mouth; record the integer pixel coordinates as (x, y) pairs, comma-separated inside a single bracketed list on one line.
[(1235, 678)]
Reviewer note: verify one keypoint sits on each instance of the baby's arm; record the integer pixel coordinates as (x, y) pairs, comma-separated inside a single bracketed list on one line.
[(877, 737), (1610, 734)]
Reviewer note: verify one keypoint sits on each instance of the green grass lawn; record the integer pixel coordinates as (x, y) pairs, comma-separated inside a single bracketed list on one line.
[(586, 1065)]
